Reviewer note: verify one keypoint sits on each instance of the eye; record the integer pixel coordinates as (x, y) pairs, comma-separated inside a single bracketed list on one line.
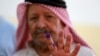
[(49, 16), (34, 18)]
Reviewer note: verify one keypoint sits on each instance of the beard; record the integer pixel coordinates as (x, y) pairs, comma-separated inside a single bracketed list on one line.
[(40, 41), (39, 37)]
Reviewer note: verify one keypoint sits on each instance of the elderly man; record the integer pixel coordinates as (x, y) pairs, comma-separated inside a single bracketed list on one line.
[(7, 37), (45, 30)]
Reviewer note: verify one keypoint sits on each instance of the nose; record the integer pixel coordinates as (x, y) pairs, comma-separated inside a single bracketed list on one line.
[(41, 24)]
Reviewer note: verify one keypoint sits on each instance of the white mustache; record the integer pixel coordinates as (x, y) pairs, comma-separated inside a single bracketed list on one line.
[(39, 31)]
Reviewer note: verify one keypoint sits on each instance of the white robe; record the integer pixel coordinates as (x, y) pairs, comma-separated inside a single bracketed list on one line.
[(84, 51)]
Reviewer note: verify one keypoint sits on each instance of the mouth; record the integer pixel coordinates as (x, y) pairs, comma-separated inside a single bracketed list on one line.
[(41, 35)]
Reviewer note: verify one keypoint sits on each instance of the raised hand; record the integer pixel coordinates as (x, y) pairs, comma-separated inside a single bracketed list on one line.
[(62, 49)]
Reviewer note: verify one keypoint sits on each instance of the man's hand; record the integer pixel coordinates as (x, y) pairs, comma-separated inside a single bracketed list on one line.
[(61, 49)]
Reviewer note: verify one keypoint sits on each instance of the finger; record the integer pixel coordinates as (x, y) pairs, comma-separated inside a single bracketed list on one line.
[(68, 43), (50, 42), (75, 52), (61, 40)]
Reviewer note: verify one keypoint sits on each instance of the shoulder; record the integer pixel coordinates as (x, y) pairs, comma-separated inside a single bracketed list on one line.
[(7, 38), (26, 52), (84, 51), (21, 52)]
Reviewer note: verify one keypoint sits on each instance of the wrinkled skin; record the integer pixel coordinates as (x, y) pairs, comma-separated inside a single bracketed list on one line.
[(40, 21)]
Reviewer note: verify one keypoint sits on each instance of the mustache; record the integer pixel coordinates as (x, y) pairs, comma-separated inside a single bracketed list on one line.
[(39, 31)]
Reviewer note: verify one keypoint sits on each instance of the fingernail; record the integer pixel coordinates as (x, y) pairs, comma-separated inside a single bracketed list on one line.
[(48, 35)]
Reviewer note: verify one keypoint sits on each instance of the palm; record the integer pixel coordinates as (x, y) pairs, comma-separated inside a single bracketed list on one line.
[(61, 49)]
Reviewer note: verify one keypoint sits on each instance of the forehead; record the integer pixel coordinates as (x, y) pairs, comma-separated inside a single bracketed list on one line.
[(34, 9), (38, 8)]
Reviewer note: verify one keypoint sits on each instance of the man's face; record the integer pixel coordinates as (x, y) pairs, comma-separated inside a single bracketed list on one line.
[(41, 21)]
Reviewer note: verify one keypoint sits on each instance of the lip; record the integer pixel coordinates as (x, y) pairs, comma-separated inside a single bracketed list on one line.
[(42, 35)]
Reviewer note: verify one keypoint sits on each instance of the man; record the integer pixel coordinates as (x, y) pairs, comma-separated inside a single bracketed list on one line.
[(45, 30), (7, 37)]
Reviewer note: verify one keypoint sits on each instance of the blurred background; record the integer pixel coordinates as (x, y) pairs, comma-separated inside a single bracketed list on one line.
[(84, 14)]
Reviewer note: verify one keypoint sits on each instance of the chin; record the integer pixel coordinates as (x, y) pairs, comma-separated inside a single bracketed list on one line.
[(43, 41)]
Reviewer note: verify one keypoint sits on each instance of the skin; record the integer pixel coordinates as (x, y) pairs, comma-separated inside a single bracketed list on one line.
[(42, 18)]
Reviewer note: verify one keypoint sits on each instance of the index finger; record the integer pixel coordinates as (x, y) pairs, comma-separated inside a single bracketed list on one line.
[(50, 42)]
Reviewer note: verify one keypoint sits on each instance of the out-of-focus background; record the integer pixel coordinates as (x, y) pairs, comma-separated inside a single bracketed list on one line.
[(85, 16)]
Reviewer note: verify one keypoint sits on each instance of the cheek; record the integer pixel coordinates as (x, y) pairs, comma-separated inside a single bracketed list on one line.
[(55, 31), (53, 28), (31, 27)]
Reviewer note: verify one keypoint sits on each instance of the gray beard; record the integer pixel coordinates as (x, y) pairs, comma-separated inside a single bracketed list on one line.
[(38, 43)]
